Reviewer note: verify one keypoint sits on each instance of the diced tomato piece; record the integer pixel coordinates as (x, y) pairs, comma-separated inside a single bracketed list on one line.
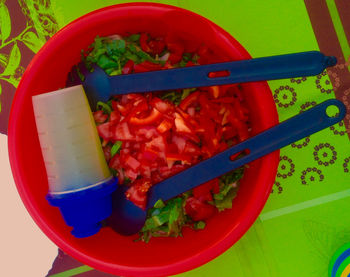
[(180, 142), (132, 175), (190, 63), (146, 132), (240, 126), (180, 124), (178, 157), (100, 117), (162, 106), (157, 143), (151, 118), (156, 46), (107, 152), (144, 37), (105, 131), (115, 105), (229, 132), (189, 100), (145, 171), (174, 58), (164, 126), (150, 66), (224, 100), (124, 109), (191, 111), (137, 193), (115, 162), (214, 91), (175, 48), (199, 210), (150, 154), (114, 117), (132, 163), (192, 149), (128, 67), (122, 132)]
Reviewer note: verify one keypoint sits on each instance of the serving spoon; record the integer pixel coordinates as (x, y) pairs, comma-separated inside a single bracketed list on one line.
[(128, 219), (100, 87)]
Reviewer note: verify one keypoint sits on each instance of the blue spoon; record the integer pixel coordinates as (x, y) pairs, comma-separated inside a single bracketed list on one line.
[(100, 87), (128, 219)]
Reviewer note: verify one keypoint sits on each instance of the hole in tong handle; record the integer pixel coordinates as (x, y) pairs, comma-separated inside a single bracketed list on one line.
[(239, 155), (217, 74), (332, 111)]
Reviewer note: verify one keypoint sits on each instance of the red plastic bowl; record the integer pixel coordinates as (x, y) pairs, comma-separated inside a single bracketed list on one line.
[(108, 251)]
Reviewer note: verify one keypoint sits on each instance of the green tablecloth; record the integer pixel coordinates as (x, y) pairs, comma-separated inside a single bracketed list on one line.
[(307, 215)]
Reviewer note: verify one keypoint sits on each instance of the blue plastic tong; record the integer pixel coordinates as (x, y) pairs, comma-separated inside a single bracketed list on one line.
[(128, 219), (100, 87)]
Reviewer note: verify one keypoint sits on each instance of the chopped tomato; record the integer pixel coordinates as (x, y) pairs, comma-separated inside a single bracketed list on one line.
[(214, 91), (132, 163), (105, 131), (149, 119), (137, 193), (189, 100), (128, 67), (122, 132), (199, 210), (100, 117), (114, 117), (164, 126), (156, 46), (180, 124), (144, 42)]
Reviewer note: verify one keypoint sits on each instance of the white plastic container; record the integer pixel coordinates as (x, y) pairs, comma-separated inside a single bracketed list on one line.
[(70, 145)]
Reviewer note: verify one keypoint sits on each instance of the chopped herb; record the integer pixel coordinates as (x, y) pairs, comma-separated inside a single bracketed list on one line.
[(199, 225), (133, 38), (159, 204), (104, 107), (115, 148), (186, 92), (127, 180), (172, 96)]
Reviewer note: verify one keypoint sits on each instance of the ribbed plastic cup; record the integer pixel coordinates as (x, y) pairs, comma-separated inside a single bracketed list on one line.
[(77, 172)]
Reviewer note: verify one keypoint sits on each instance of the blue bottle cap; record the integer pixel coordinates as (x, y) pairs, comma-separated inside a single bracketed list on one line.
[(85, 209)]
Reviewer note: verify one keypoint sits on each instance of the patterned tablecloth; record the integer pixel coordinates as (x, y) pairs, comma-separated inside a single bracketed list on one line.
[(306, 218)]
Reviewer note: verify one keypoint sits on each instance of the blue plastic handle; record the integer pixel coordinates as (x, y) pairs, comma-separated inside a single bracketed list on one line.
[(289, 131), (266, 68)]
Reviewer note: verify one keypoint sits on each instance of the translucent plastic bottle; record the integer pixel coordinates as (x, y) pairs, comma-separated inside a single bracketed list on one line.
[(80, 183)]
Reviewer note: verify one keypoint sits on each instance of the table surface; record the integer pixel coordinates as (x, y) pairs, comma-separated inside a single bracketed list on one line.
[(306, 217)]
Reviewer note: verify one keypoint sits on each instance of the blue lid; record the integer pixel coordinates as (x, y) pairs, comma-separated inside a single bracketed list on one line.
[(85, 209)]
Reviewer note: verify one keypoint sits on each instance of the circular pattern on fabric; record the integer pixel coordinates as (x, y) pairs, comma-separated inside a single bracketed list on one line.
[(323, 83), (278, 186), (304, 142), (285, 96), (310, 175), (325, 154), (286, 167), (346, 164), (336, 131), (298, 80)]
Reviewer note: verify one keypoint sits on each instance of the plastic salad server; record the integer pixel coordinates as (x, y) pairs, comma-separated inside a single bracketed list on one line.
[(99, 86), (80, 183), (128, 219)]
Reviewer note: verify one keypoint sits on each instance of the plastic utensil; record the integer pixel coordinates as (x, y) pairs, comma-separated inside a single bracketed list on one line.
[(128, 219), (80, 183), (99, 86)]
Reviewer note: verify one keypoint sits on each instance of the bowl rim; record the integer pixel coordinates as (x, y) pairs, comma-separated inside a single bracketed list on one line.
[(170, 269)]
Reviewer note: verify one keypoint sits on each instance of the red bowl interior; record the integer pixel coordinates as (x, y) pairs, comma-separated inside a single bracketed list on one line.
[(107, 250)]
